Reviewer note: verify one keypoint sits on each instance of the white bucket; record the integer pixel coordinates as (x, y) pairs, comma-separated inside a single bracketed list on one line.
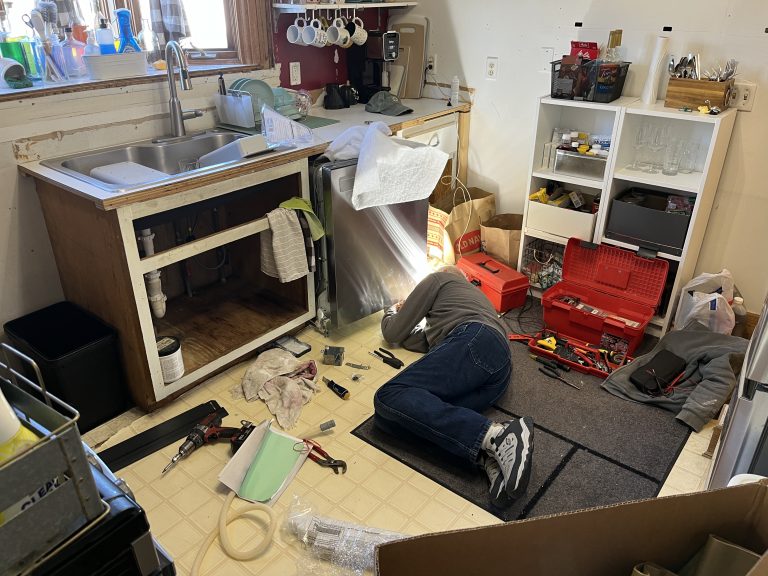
[(171, 360)]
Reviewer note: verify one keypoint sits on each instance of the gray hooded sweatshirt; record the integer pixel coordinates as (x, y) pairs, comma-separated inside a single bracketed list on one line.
[(712, 362)]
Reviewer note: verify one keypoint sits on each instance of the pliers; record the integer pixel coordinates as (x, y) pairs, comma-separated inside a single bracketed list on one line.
[(388, 358), (317, 454)]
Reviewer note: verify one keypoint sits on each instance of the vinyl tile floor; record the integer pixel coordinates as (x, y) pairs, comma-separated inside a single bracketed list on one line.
[(378, 491)]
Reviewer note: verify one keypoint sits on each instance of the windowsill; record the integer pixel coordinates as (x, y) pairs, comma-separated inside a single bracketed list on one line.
[(86, 84)]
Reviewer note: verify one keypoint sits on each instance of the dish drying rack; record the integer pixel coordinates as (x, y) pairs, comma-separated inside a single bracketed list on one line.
[(236, 109)]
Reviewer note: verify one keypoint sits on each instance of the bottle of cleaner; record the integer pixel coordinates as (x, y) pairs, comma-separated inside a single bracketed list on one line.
[(73, 53), (13, 436), (454, 91), (127, 41), (91, 48), (105, 38), (740, 311)]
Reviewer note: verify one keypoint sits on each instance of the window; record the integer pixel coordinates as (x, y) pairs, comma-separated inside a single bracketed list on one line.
[(211, 31)]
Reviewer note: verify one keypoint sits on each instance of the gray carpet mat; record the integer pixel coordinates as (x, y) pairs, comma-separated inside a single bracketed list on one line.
[(591, 448)]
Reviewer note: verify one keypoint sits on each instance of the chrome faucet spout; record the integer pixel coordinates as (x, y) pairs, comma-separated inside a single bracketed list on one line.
[(177, 115)]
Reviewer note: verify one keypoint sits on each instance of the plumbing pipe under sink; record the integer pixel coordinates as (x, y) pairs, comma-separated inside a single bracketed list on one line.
[(152, 278)]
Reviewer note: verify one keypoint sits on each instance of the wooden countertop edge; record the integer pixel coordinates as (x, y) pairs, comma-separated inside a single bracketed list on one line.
[(255, 165)]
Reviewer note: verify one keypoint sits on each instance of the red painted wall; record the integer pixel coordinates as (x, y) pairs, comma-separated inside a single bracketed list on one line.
[(317, 65)]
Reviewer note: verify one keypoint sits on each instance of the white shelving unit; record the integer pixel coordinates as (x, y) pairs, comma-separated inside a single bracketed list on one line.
[(622, 119)]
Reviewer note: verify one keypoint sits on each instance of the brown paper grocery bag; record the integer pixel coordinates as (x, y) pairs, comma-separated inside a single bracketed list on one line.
[(500, 237), (454, 223)]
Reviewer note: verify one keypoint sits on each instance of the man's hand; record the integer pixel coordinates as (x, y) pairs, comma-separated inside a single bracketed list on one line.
[(398, 305)]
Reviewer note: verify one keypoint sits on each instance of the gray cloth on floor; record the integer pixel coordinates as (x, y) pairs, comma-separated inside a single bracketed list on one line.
[(283, 255), (712, 361), (284, 382)]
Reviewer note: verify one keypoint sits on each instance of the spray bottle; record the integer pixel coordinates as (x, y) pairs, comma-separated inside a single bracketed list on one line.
[(127, 41)]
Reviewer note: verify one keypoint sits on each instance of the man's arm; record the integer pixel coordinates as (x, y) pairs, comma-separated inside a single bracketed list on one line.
[(397, 326)]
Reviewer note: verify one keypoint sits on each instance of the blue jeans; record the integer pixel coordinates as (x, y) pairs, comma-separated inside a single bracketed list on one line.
[(439, 397)]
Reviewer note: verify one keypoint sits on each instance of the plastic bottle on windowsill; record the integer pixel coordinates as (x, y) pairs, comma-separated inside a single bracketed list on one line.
[(91, 48), (105, 38)]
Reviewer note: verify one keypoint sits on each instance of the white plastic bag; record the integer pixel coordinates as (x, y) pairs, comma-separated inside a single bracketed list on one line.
[(707, 299)]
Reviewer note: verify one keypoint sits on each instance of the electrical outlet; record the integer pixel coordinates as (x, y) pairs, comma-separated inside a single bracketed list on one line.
[(743, 95), (295, 68), (432, 64), (492, 68)]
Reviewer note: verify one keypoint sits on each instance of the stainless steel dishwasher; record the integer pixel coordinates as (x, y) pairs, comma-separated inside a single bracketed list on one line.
[(370, 258)]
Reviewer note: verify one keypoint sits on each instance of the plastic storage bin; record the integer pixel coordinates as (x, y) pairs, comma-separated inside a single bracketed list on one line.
[(78, 357), (561, 221), (47, 492), (604, 290), (505, 287)]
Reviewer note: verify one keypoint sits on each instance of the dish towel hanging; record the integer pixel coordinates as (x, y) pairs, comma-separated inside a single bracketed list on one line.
[(283, 255)]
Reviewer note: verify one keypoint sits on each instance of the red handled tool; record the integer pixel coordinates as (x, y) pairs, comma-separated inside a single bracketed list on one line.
[(317, 454)]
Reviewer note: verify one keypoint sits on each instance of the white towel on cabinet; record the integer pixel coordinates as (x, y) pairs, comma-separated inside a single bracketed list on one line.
[(283, 254)]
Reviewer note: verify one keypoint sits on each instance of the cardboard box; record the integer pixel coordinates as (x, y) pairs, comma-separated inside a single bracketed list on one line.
[(607, 541)]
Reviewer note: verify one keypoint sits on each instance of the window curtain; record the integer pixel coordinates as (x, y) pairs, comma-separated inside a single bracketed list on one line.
[(69, 12), (168, 19), (254, 31)]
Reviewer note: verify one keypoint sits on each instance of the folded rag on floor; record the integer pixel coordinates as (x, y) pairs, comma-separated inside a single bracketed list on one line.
[(282, 247), (283, 382), (392, 171)]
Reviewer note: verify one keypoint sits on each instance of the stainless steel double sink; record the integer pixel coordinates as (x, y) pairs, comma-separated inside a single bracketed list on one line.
[(173, 157)]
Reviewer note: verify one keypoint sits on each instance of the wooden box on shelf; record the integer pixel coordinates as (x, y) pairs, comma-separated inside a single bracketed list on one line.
[(685, 92)]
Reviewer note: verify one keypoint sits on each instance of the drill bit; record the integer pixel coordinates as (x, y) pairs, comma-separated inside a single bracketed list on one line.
[(172, 463)]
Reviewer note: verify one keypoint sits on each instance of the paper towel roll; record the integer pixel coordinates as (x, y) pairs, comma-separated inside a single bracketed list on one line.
[(651, 88)]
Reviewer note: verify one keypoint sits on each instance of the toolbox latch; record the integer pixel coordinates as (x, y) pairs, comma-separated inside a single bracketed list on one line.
[(647, 253)]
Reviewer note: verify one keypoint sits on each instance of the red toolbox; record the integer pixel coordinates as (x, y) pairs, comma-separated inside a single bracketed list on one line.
[(505, 287), (605, 290)]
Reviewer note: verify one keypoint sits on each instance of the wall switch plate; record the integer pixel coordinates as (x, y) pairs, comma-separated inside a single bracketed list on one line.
[(492, 68), (743, 95), (432, 64), (295, 69)]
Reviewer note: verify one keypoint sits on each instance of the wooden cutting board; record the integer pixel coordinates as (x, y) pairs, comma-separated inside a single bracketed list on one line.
[(413, 37)]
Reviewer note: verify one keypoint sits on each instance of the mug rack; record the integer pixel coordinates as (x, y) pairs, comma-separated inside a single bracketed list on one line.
[(304, 7)]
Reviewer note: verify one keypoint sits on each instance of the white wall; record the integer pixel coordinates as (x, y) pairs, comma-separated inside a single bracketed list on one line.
[(40, 128), (464, 33)]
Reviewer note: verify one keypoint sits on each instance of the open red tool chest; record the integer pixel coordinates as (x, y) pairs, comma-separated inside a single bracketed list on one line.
[(607, 295), (505, 287)]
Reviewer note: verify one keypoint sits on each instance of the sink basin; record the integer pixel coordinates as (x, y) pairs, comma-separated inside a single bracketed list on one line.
[(172, 158)]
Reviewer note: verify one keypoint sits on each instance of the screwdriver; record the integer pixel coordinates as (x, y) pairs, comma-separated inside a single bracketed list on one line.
[(554, 365), (552, 374)]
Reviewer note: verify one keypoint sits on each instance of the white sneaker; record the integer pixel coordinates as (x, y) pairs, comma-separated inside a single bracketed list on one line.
[(512, 449)]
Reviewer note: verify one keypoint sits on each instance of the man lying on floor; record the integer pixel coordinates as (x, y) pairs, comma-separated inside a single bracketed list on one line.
[(466, 368)]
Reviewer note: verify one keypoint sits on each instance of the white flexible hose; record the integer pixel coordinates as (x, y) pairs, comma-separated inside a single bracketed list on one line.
[(222, 532)]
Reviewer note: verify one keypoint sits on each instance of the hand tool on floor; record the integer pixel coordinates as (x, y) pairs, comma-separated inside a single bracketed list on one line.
[(388, 358), (554, 365), (207, 431), (357, 366), (552, 374), (337, 389), (317, 454)]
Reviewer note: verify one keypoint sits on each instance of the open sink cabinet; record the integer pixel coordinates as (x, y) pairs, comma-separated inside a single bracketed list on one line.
[(207, 245)]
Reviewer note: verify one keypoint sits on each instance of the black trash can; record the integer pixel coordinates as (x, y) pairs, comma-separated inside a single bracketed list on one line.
[(78, 357)]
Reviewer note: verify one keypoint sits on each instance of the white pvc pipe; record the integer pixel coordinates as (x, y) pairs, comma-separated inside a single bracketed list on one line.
[(154, 285)]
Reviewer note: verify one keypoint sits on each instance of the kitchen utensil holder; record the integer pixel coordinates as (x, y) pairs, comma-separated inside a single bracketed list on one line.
[(52, 477), (236, 109)]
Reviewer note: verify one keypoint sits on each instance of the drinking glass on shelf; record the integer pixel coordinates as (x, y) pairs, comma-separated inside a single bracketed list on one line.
[(658, 141), (671, 158), (688, 155), (639, 144)]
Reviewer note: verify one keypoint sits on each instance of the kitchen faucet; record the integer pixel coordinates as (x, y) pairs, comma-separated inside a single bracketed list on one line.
[(176, 113)]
